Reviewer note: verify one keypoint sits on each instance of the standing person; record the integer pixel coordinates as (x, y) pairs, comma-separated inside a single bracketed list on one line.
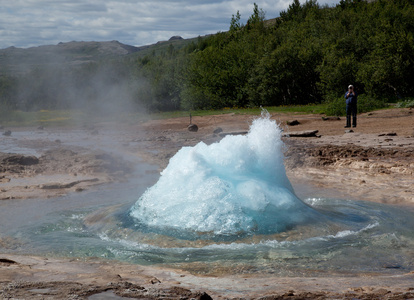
[(351, 106)]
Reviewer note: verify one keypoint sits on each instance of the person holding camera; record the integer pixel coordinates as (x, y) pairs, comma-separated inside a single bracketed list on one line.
[(351, 106)]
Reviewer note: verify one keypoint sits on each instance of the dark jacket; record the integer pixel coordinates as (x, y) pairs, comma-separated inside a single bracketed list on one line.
[(351, 99)]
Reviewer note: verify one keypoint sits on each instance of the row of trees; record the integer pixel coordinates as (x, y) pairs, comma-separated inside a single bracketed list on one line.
[(308, 55)]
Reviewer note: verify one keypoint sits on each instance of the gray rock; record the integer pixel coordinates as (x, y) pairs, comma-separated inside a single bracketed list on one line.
[(218, 130), (192, 128), (7, 133), (305, 133)]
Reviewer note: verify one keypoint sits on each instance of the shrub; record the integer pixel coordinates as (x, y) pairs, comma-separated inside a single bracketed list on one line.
[(367, 103), (337, 106), (409, 102)]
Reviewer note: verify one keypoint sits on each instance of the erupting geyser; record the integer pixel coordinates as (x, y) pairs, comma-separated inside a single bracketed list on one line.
[(235, 187)]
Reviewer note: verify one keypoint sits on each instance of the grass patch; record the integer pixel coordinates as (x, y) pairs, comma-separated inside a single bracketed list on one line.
[(40, 118), (81, 118), (58, 118)]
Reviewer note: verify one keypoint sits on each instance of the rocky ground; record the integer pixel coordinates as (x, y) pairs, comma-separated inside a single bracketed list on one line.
[(375, 162), (57, 172), (24, 277)]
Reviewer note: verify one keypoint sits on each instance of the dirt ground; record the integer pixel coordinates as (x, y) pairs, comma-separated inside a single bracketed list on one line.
[(374, 162)]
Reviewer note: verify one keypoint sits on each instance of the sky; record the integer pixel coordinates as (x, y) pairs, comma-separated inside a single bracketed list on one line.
[(28, 23)]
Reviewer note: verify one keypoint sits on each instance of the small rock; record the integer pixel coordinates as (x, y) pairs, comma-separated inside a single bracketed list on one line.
[(7, 133), (349, 131), (331, 118), (293, 123), (388, 134), (58, 141), (95, 132), (192, 128), (305, 133), (154, 280), (40, 128), (218, 130)]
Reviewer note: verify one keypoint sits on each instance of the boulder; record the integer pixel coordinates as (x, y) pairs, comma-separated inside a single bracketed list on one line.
[(192, 128), (293, 123)]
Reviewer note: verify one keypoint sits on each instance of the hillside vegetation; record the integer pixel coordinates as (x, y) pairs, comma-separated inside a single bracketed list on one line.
[(310, 54)]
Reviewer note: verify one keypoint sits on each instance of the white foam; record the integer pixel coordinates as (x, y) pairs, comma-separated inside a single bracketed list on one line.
[(238, 185)]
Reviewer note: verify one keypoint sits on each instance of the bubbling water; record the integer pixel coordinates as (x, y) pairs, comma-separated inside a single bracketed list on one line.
[(234, 187)]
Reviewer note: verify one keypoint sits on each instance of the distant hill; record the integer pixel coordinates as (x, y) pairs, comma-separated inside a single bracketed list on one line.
[(15, 61)]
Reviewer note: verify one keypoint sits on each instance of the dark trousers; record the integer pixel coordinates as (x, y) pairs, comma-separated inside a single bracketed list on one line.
[(351, 110)]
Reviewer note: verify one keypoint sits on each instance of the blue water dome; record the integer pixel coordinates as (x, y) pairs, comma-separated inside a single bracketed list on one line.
[(235, 187)]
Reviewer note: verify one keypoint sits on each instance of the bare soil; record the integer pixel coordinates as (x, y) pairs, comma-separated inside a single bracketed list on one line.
[(375, 162)]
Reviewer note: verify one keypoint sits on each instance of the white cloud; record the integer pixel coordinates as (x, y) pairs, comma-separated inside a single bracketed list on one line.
[(25, 23)]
